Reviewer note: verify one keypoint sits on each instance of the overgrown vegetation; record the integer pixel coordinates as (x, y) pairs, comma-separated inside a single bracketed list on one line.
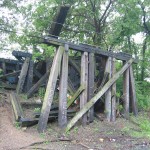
[(41, 92), (142, 126), (143, 95)]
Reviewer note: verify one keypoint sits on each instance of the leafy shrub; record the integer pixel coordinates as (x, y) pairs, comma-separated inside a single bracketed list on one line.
[(142, 128), (41, 92), (143, 94)]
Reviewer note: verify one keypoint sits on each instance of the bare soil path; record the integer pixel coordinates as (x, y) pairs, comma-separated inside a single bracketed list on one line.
[(12, 138)]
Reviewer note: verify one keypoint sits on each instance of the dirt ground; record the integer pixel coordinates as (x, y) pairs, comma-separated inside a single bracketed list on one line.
[(99, 135)]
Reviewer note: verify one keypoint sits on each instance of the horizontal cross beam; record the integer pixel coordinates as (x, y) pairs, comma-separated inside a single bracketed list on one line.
[(88, 48), (9, 61), (20, 54)]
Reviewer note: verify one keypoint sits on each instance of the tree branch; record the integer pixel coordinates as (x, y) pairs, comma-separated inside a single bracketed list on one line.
[(107, 8), (147, 30)]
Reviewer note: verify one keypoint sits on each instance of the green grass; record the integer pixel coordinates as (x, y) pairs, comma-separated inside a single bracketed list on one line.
[(37, 110), (17, 125), (141, 129), (23, 96)]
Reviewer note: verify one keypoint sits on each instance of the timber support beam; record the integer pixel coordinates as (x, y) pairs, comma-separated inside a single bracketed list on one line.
[(88, 48), (89, 104)]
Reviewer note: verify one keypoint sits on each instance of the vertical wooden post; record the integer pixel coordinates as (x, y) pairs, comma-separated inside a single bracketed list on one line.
[(4, 68), (71, 87), (108, 93), (17, 67), (23, 75), (126, 93), (98, 95), (48, 64), (113, 100), (91, 84), (132, 92), (29, 76), (84, 81), (48, 98), (62, 116)]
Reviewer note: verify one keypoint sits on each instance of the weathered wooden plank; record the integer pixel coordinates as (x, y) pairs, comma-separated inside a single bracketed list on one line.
[(17, 67), (29, 76), (18, 112), (88, 48), (126, 93), (9, 61), (55, 113), (71, 87), (11, 74), (62, 116), (91, 73), (28, 122), (48, 98), (108, 92), (21, 54), (36, 104), (104, 80), (10, 67), (74, 65), (36, 86), (48, 64), (7, 86), (23, 75), (37, 73), (4, 67), (84, 81), (59, 20), (113, 97), (76, 95), (133, 92), (98, 95)]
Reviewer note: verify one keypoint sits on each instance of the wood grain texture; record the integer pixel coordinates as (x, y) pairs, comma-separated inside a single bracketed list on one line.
[(48, 98), (98, 95), (84, 82), (23, 75), (108, 92), (62, 116), (133, 93)]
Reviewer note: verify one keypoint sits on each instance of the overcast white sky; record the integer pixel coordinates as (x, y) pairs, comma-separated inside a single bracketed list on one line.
[(138, 38)]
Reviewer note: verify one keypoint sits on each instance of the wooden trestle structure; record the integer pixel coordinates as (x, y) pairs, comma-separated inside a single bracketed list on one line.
[(87, 75), (76, 77), (85, 68)]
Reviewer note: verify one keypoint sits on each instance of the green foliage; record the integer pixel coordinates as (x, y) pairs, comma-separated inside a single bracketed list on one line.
[(37, 55), (42, 135), (41, 92), (143, 94), (48, 50), (1, 71), (120, 107), (76, 130), (37, 110), (142, 128), (23, 96), (18, 125)]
